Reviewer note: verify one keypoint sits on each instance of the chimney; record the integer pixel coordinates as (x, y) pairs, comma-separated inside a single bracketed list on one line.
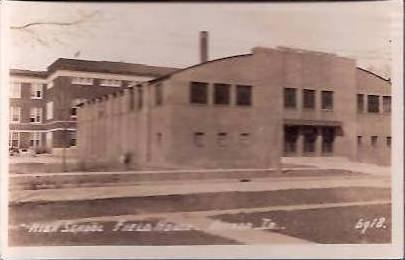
[(203, 46)]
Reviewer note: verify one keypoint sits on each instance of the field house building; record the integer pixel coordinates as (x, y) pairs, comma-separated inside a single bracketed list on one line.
[(43, 109), (243, 111)]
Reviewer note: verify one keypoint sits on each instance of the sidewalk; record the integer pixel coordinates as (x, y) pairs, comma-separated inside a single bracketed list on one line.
[(193, 187)]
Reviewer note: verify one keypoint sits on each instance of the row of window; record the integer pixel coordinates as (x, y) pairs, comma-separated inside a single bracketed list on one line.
[(90, 81), (373, 103), (374, 141), (35, 114), (222, 139), (36, 90), (308, 98), (221, 93), (35, 139)]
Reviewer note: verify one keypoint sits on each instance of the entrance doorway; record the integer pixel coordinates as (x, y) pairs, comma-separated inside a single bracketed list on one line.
[(304, 140)]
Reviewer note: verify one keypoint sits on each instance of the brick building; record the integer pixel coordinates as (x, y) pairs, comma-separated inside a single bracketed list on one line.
[(244, 111), (43, 103)]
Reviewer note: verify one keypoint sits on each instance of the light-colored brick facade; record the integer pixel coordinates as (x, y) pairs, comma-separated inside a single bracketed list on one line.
[(228, 133)]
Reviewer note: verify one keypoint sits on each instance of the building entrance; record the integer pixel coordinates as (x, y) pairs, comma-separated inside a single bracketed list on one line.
[(309, 140)]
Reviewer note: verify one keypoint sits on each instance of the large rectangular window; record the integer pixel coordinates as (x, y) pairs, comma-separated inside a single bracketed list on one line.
[(373, 104), (73, 138), (222, 94), (35, 115), (290, 98), (36, 91), (15, 114), (14, 139), (158, 94), (243, 95), (386, 104), (15, 91), (198, 93), (49, 110), (82, 81), (35, 139), (327, 100), (360, 103), (110, 83), (309, 98)]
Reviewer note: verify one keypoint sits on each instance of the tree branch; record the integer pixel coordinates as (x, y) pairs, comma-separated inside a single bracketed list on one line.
[(82, 19)]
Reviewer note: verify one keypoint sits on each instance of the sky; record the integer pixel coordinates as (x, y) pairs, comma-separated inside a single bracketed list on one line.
[(166, 34)]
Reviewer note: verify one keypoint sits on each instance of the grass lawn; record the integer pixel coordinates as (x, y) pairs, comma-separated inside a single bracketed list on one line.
[(37, 211), (326, 226)]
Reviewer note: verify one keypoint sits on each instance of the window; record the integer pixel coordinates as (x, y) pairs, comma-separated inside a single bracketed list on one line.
[(82, 81), (140, 98), (36, 91), (35, 115), (386, 104), (131, 99), (199, 139), (360, 103), (14, 139), (15, 91), (388, 141), (49, 110), (158, 94), (359, 140), (35, 139), (73, 112), (15, 114), (309, 99), (374, 140), (222, 139), (243, 95), (290, 97), (75, 104), (110, 83), (327, 100), (222, 94), (244, 139), (198, 93), (373, 104), (73, 139)]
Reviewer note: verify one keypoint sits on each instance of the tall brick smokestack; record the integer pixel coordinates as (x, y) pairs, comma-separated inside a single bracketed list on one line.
[(203, 46)]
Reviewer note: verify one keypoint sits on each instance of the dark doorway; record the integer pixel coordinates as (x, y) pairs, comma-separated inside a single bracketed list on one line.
[(328, 134), (290, 140)]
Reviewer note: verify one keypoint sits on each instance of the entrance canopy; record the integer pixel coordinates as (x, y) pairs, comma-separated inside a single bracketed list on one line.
[(302, 122)]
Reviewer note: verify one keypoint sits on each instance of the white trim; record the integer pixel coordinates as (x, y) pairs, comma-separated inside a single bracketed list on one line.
[(98, 75), (27, 79), (49, 123), (44, 131)]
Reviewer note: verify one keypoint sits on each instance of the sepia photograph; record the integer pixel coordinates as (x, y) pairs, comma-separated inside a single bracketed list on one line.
[(204, 126)]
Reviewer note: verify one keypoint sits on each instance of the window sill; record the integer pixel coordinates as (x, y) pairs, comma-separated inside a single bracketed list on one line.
[(326, 110), (36, 97)]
